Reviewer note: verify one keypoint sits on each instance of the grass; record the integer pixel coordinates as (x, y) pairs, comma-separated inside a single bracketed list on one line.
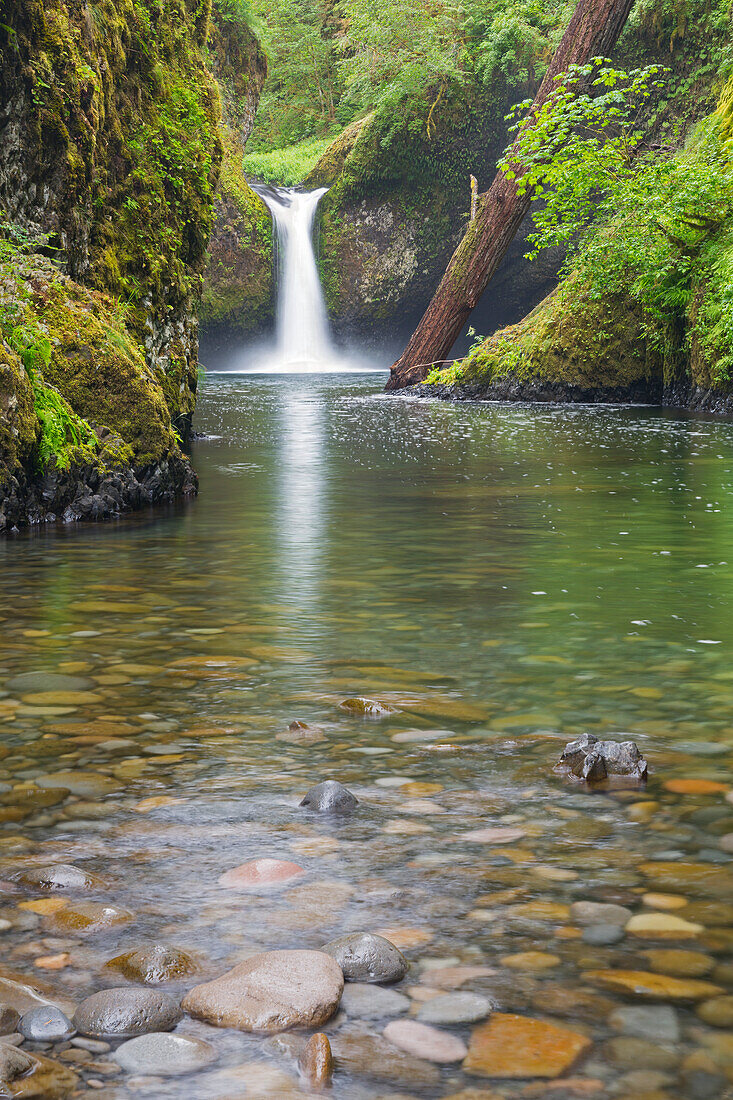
[(288, 166)]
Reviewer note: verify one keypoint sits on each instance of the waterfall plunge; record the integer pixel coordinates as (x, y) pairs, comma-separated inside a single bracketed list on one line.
[(303, 334)]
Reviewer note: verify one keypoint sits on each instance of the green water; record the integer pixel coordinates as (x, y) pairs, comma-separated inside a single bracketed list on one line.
[(504, 577)]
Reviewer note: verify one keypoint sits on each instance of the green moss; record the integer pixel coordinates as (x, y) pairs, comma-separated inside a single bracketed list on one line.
[(571, 339), (19, 427)]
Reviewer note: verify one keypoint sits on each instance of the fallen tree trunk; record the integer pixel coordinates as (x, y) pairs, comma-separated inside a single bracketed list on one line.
[(592, 32)]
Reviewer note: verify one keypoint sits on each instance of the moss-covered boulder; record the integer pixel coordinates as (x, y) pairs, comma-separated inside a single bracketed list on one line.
[(19, 426), (571, 347)]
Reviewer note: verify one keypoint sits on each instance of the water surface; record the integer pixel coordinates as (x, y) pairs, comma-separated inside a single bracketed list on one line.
[(503, 577)]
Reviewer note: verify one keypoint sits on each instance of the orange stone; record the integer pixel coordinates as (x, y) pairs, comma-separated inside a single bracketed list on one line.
[(44, 906), (511, 1046), (695, 786), (661, 987), (53, 962), (259, 873)]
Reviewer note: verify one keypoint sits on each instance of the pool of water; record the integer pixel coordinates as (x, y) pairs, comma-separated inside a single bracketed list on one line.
[(500, 578)]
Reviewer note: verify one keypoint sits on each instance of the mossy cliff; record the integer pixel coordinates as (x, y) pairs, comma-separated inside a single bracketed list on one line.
[(400, 195), (238, 294), (110, 154)]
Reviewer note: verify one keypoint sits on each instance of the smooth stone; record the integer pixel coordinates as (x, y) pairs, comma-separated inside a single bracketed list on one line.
[(602, 935), (531, 961), (423, 1041), (513, 1047), (658, 1023), (367, 1055), (370, 708), (596, 912), (330, 798), (260, 874), (57, 876), (365, 957), (371, 1002), (91, 916), (270, 992), (33, 1077), (163, 1054), (84, 784), (640, 983), (48, 681), (718, 1012), (316, 1061), (9, 1019), (154, 964), (680, 963), (662, 926), (455, 1008), (94, 1046), (123, 1013), (46, 1025), (629, 1052), (22, 996), (696, 786), (14, 1062), (408, 737)]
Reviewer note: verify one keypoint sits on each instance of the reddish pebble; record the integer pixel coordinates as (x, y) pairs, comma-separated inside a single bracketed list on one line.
[(260, 872), (316, 1061)]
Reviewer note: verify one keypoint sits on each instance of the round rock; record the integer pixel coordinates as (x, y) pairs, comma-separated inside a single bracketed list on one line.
[(163, 1055), (330, 798), (364, 957), (271, 992), (425, 1042), (602, 935), (9, 1019), (371, 1002), (455, 1008), (46, 1025), (154, 964), (57, 876), (48, 681), (123, 1013), (261, 874)]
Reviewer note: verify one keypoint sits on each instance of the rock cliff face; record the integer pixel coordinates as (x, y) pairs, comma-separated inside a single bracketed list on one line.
[(239, 293), (110, 154)]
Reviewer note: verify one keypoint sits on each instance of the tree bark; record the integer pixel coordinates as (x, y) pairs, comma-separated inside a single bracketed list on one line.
[(592, 32)]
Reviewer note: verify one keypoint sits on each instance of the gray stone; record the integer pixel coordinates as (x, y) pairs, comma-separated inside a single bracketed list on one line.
[(602, 935), (56, 876), (9, 1019), (371, 1002), (94, 1046), (163, 1054), (46, 1025), (364, 957), (455, 1008), (658, 1023), (594, 760), (598, 912), (367, 1055), (330, 797), (30, 682), (154, 964), (271, 992), (123, 1013)]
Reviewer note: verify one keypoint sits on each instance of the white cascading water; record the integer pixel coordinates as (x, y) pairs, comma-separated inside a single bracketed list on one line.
[(303, 334)]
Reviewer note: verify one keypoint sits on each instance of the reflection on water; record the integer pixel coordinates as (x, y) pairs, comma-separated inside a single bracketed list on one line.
[(504, 578)]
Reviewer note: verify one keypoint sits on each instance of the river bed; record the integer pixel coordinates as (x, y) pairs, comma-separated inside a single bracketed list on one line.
[(501, 579)]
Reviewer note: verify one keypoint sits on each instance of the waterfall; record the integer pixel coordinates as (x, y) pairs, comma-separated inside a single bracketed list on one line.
[(303, 333)]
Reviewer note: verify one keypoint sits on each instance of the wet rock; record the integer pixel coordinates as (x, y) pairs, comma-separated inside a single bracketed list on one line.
[(425, 1042), (679, 963), (261, 874), (330, 797), (365, 957), (455, 1008), (509, 1046), (22, 996), (298, 733), (533, 961), (33, 1077), (163, 1054), (84, 784), (718, 1012), (154, 964), (594, 760), (14, 1063), (369, 708), (602, 935), (372, 1002), (659, 987), (271, 992), (595, 912), (57, 876), (46, 1025), (9, 1019), (123, 1013), (658, 1023), (629, 1052), (48, 681), (90, 916), (367, 1055), (662, 926), (316, 1061)]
